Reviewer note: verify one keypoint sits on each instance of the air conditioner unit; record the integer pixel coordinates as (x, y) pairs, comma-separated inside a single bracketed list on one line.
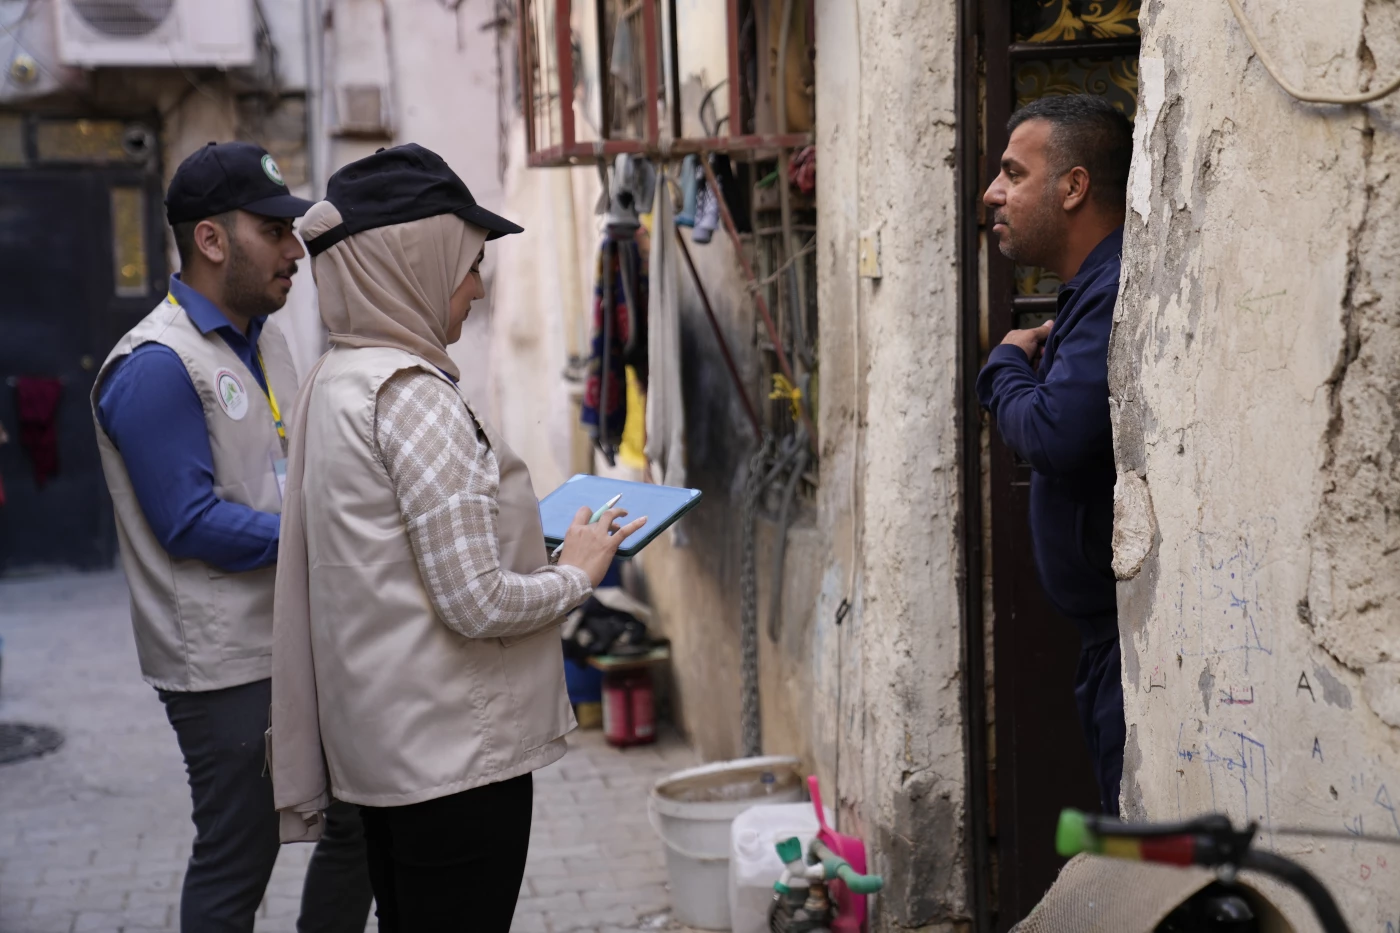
[(155, 33)]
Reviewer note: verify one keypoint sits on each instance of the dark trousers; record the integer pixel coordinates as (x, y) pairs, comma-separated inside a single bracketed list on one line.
[(235, 845), (451, 864), (1098, 691)]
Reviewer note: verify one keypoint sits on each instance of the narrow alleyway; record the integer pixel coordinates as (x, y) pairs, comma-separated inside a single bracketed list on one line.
[(94, 837)]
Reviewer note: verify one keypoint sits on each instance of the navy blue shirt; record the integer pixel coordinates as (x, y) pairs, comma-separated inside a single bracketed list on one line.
[(1057, 418), (149, 408)]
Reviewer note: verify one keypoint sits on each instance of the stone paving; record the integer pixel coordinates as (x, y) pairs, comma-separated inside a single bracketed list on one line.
[(94, 837)]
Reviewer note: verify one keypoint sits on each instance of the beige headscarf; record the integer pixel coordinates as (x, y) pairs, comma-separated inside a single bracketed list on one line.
[(386, 287), (390, 286)]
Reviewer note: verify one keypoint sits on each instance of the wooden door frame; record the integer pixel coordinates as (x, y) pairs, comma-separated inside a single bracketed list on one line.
[(1001, 864), (968, 169)]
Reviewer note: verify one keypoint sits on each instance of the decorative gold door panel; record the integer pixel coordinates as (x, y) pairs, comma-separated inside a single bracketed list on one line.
[(1073, 20)]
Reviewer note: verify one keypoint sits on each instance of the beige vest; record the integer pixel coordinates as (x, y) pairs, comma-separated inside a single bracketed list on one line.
[(198, 627), (409, 709)]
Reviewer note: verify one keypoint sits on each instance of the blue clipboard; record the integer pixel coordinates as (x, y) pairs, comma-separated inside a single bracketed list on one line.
[(662, 505)]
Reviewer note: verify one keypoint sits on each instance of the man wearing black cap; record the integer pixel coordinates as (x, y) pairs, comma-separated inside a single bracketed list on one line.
[(189, 411)]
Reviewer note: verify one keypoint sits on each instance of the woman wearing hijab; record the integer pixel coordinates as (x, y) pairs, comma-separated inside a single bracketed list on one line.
[(417, 670)]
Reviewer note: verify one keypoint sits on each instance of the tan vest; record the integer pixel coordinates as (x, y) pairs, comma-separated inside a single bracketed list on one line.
[(410, 710), (198, 627)]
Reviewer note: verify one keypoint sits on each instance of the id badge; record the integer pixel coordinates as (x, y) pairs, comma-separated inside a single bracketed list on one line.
[(279, 470)]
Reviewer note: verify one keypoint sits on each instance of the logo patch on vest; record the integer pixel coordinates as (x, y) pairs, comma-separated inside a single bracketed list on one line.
[(233, 398)]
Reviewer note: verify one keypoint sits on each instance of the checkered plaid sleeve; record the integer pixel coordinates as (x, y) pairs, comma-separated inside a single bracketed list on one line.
[(446, 478)]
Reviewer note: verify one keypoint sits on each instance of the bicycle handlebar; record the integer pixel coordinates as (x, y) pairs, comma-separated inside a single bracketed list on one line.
[(1209, 841)]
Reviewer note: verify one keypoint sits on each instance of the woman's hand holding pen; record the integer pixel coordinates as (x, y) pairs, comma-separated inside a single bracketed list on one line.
[(592, 547)]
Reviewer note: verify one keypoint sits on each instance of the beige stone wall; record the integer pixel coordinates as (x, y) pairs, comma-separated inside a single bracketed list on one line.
[(886, 138), (438, 69), (1255, 359), (541, 295), (872, 705)]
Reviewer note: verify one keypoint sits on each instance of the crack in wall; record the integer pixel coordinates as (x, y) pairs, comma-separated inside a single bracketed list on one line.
[(1255, 376)]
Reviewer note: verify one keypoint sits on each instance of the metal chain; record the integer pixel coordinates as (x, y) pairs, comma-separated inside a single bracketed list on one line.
[(752, 727)]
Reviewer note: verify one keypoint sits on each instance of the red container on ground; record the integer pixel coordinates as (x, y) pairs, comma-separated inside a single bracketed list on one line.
[(629, 714)]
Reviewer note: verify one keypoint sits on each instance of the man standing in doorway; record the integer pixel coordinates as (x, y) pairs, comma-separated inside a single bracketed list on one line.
[(1059, 204), (189, 424)]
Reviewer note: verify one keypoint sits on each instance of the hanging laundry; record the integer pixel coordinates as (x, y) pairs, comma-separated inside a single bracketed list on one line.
[(633, 184), (621, 65), (665, 415), (706, 215), (37, 399), (619, 339), (802, 171), (631, 453), (692, 180)]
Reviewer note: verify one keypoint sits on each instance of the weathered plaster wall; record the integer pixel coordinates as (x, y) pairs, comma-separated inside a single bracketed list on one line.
[(873, 704), (1255, 365), (543, 284), (886, 135), (703, 61), (693, 580), (438, 68)]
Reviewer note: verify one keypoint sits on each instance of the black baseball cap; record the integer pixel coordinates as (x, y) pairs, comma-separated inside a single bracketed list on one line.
[(222, 177), (395, 186)]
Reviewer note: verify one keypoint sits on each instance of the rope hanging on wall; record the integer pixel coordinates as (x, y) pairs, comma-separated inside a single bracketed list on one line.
[(1310, 97)]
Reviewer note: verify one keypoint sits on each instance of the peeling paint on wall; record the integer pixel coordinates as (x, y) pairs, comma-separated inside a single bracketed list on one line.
[(1152, 77), (1255, 369), (1134, 525)]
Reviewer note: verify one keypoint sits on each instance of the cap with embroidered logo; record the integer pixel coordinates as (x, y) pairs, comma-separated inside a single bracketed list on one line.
[(223, 177)]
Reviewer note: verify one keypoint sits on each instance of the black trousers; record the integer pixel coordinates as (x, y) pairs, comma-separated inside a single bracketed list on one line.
[(1098, 691), (235, 844), (451, 864)]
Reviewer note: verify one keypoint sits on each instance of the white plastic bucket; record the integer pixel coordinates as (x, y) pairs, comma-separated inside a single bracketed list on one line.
[(692, 812)]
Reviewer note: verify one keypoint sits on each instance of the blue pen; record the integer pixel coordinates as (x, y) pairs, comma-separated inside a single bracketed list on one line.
[(596, 515)]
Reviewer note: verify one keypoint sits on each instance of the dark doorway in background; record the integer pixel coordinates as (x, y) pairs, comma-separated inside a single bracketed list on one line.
[(1039, 763), (82, 259)]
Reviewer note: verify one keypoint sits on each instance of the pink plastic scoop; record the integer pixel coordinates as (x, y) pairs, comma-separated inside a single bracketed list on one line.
[(850, 907)]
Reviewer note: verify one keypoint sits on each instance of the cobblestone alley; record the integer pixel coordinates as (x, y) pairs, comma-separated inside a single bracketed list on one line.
[(94, 837)]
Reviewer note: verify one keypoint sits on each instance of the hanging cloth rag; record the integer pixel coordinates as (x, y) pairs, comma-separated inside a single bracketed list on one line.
[(692, 179), (665, 398), (37, 399), (619, 339), (802, 171)]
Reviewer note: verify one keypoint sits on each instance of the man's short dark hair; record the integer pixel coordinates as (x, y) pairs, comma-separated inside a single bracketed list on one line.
[(1086, 130), (184, 235)]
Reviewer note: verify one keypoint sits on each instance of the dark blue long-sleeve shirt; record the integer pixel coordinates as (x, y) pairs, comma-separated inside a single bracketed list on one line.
[(1057, 419), (149, 408)]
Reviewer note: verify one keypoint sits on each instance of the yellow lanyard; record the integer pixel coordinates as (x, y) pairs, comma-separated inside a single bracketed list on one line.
[(272, 404), (269, 394)]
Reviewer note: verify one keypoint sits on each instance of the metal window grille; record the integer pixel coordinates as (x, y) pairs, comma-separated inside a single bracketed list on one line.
[(636, 117)]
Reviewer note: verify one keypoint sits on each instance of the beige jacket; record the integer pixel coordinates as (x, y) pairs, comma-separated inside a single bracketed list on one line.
[(409, 710), (198, 627)]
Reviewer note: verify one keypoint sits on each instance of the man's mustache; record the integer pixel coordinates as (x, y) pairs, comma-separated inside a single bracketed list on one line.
[(289, 272)]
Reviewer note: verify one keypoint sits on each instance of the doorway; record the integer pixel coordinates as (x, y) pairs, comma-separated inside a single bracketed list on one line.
[(1037, 761), (82, 258)]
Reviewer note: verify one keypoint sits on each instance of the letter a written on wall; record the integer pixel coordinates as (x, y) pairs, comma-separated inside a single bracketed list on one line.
[(631, 104)]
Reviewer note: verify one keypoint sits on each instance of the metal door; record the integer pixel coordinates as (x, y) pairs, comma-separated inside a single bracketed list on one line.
[(81, 261)]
